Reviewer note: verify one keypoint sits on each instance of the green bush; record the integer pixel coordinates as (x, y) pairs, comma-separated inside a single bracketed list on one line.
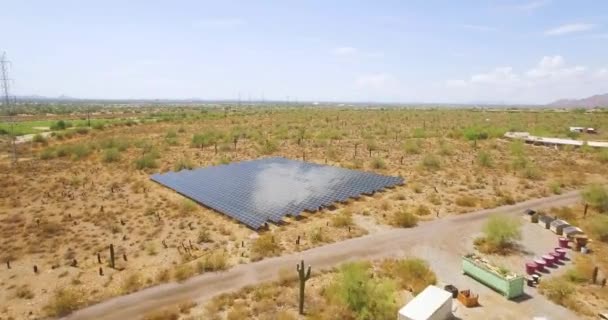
[(484, 159), (80, 151), (111, 155), (60, 125), (431, 162), (64, 302), (602, 156), (500, 232), (38, 138), (596, 196), (267, 245), (183, 163), (378, 163), (368, 298), (412, 146), (404, 219), (410, 274), (343, 219), (82, 130), (557, 290), (599, 227), (146, 161), (48, 153)]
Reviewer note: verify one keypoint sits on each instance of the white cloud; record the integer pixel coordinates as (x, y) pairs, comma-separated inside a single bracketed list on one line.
[(220, 23), (374, 81), (551, 78), (569, 28), (532, 5), (344, 51)]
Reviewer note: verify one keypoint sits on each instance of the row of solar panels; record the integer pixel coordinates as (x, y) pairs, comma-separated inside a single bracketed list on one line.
[(234, 189)]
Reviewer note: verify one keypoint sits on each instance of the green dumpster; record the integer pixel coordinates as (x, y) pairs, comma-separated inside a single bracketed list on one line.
[(508, 283)]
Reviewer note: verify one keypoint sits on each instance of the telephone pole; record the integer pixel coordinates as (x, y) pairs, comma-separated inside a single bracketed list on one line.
[(5, 82)]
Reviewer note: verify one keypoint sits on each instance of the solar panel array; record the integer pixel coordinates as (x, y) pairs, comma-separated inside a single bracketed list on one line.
[(255, 192)]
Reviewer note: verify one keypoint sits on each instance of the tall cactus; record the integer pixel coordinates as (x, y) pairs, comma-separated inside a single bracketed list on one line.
[(594, 275), (304, 276), (112, 256)]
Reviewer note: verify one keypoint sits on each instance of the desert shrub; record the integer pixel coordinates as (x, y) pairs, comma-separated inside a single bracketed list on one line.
[(204, 236), (38, 138), (238, 312), (187, 206), (48, 153), (268, 146), (475, 134), (555, 187), (98, 126), (80, 151), (419, 133), (404, 219), (410, 274), (113, 143), (183, 272), (531, 172), (183, 163), (24, 292), (111, 155), (378, 163), (602, 156), (214, 261), (64, 302), (412, 146), (367, 297), (186, 306), (431, 162), (597, 197), (82, 130), (466, 201), (171, 134), (267, 245), (146, 161), (500, 232), (484, 159), (423, 210), (599, 227), (317, 235), (60, 125), (557, 290), (343, 219), (565, 213), (166, 314), (131, 283)]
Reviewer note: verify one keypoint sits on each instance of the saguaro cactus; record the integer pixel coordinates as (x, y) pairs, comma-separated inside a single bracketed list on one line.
[(112, 256), (304, 276), (594, 275)]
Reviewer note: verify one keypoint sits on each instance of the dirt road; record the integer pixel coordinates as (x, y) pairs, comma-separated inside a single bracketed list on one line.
[(395, 242)]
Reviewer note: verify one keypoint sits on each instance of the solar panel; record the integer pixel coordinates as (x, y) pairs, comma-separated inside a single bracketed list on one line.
[(257, 191)]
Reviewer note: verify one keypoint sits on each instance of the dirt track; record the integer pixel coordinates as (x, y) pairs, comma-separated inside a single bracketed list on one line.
[(394, 242)]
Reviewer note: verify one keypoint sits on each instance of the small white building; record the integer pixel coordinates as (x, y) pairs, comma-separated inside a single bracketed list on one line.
[(433, 303)]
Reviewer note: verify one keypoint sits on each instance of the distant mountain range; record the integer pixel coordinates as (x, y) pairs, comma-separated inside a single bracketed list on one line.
[(599, 100)]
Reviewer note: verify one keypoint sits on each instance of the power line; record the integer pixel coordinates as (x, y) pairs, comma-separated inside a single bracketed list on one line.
[(5, 82)]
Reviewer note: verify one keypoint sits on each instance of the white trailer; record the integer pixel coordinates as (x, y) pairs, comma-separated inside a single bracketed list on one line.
[(431, 304)]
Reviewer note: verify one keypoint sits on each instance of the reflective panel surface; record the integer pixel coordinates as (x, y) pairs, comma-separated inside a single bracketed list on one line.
[(255, 192)]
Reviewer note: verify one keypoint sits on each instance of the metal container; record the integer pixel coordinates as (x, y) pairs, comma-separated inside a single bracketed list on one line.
[(511, 286)]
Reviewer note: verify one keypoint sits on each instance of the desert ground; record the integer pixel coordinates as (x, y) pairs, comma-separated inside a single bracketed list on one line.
[(73, 194)]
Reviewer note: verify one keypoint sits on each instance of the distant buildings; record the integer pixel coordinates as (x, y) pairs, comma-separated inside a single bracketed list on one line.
[(582, 130)]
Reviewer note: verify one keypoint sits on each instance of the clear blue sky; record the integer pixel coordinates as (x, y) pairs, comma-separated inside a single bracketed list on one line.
[(524, 51)]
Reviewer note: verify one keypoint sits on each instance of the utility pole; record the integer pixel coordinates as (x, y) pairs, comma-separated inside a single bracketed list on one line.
[(4, 79)]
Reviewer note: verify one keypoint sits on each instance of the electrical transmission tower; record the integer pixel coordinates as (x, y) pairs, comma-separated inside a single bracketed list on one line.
[(5, 83)]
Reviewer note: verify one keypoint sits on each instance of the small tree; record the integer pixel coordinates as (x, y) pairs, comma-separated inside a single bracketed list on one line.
[(500, 233)]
